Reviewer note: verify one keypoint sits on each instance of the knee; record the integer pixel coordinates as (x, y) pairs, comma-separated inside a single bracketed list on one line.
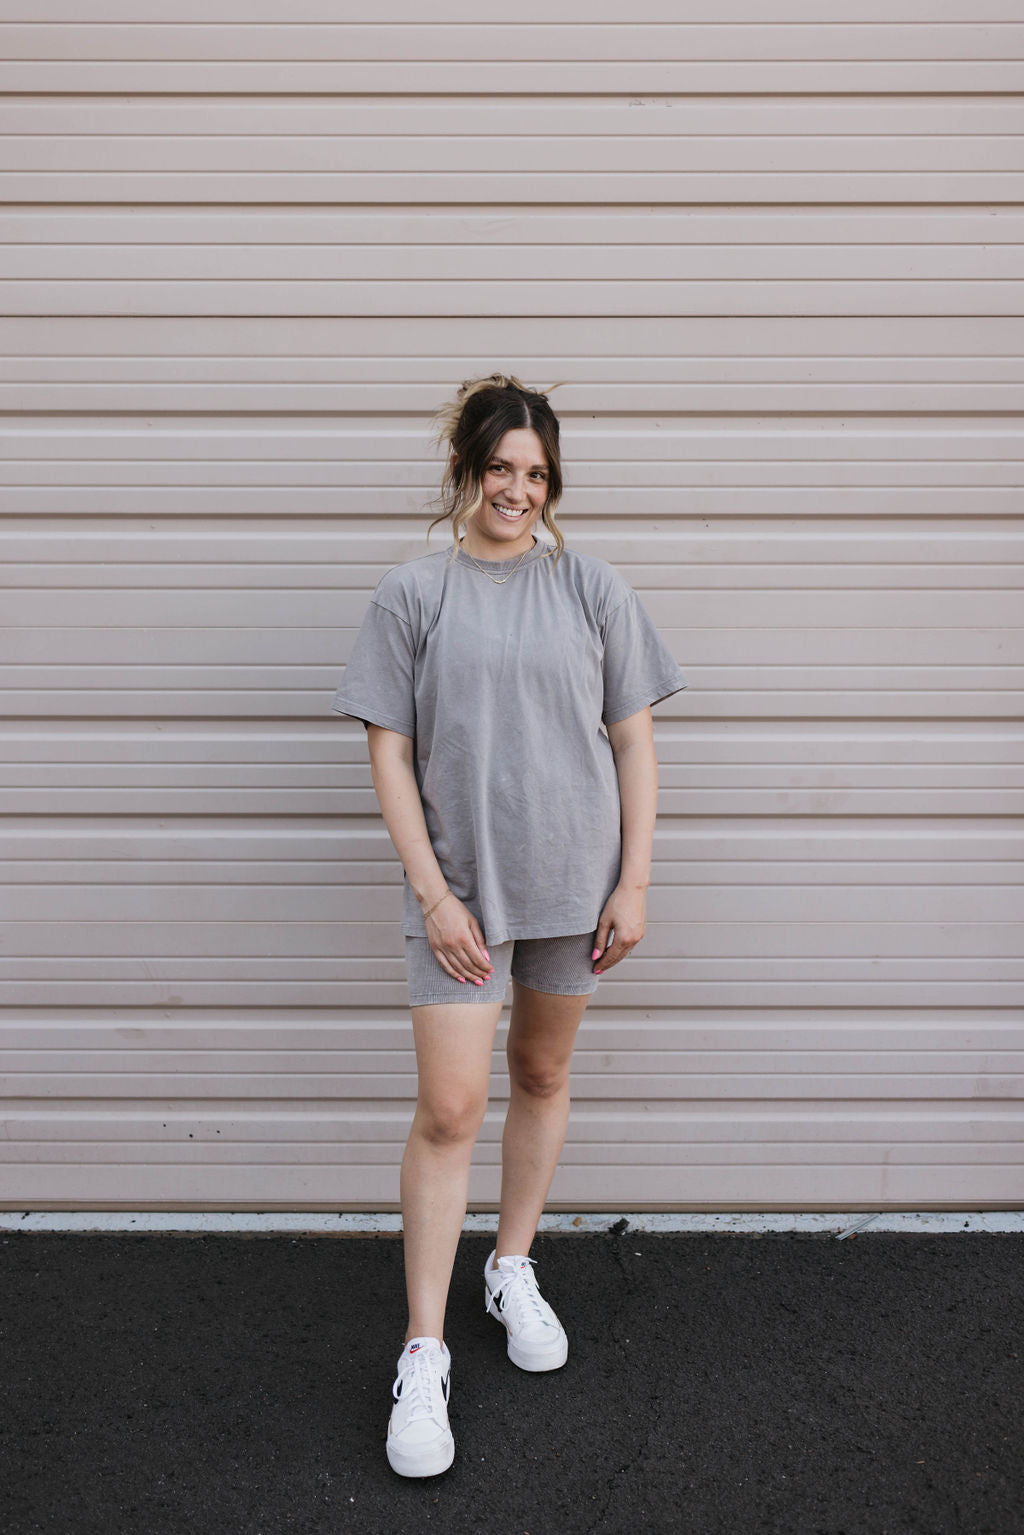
[(452, 1120), (538, 1078)]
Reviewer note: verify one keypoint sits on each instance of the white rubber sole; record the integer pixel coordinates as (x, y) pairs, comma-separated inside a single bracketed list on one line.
[(551, 1359), (532, 1359), (431, 1460)]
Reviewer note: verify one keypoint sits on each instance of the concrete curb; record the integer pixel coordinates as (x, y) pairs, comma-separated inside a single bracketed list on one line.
[(841, 1224)]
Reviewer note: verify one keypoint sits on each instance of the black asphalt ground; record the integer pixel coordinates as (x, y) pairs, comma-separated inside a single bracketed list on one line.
[(785, 1383)]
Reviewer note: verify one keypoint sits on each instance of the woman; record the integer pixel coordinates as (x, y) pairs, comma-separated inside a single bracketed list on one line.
[(483, 674)]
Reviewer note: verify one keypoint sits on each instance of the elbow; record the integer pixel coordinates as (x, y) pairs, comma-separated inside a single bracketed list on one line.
[(388, 746)]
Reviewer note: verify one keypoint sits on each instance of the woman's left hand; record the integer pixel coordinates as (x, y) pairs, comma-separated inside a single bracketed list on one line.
[(625, 911)]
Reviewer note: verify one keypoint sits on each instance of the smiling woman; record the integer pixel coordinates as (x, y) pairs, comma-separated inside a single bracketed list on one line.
[(506, 687), (504, 470)]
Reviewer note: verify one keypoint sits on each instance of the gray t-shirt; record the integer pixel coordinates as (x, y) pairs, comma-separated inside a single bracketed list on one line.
[(503, 690)]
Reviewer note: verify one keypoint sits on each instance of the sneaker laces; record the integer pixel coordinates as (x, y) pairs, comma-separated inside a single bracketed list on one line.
[(417, 1386), (521, 1297)]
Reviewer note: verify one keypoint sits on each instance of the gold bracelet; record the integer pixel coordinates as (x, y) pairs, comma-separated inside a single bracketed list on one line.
[(437, 903)]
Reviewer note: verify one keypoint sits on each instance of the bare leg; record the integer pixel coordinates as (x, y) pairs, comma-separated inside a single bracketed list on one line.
[(454, 1042), (541, 1035)]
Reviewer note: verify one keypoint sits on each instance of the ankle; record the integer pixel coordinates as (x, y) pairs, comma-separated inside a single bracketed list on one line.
[(508, 1252)]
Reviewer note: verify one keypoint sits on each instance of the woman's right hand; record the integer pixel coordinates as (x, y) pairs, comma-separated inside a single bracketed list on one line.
[(457, 942)]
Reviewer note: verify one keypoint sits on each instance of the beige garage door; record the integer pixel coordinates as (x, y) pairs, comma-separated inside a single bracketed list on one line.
[(778, 267)]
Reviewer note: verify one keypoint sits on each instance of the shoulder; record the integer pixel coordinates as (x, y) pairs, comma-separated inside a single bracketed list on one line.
[(601, 587), (403, 589)]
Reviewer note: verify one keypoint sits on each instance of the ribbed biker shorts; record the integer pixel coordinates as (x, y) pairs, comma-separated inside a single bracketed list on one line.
[(560, 965)]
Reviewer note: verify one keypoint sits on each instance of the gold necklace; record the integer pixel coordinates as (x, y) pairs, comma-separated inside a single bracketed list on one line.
[(503, 579)]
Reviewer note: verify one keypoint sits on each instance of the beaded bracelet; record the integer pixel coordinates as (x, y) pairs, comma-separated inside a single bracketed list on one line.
[(437, 903)]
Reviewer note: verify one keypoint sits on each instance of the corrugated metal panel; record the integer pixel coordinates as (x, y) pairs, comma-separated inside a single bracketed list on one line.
[(586, 151), (789, 325)]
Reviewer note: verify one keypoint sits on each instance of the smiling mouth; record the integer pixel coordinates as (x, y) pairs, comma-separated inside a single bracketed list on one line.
[(509, 513)]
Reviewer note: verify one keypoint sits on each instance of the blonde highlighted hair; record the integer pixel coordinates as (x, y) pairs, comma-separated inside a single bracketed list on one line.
[(472, 425)]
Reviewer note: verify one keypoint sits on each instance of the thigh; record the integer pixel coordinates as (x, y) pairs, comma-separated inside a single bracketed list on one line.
[(454, 1046), (429, 982), (559, 966), (542, 1036), (454, 1024), (553, 980)]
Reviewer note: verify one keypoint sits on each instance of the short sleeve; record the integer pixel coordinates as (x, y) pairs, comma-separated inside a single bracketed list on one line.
[(379, 682), (639, 668)]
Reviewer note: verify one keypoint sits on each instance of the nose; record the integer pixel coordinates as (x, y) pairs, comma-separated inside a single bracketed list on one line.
[(517, 489)]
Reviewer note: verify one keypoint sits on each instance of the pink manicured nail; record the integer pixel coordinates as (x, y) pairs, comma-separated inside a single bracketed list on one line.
[(461, 978), (479, 982), (595, 954), (599, 972), (487, 957)]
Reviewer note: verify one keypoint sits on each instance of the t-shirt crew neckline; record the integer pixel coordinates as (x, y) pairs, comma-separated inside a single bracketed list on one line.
[(539, 548)]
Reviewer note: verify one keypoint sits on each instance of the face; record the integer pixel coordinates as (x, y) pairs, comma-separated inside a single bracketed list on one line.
[(515, 488)]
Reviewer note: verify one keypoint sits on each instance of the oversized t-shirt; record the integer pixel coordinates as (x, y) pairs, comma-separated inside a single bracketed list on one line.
[(503, 689)]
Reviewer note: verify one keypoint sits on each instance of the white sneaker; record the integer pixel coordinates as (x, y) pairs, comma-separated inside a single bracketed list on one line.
[(420, 1443), (536, 1339)]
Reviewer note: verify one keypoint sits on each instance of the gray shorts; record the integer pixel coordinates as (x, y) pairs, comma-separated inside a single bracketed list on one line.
[(560, 965)]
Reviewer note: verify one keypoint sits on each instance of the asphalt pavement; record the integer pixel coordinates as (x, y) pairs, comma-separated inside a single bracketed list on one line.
[(716, 1384)]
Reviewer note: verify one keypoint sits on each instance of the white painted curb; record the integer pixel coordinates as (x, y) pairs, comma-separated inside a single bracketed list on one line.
[(839, 1225)]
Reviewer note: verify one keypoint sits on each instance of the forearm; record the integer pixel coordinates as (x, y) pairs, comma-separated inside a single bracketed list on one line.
[(637, 768), (399, 798)]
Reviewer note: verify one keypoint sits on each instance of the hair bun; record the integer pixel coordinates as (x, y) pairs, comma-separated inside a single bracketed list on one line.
[(471, 386), (446, 419)]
